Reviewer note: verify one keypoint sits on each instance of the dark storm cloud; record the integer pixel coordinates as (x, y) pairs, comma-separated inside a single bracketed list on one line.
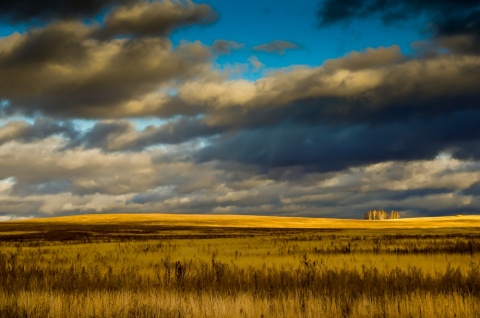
[(343, 113), (449, 211), (155, 18), (40, 129), (460, 33), (467, 24), (20, 208), (60, 71), (332, 11), (357, 198), (101, 134), (474, 189), (326, 148), (43, 188), (59, 43), (277, 47), (31, 10), (149, 197), (122, 135), (454, 24), (314, 148)]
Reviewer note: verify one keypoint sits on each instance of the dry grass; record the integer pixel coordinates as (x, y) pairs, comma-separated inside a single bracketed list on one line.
[(173, 305), (159, 265), (196, 220)]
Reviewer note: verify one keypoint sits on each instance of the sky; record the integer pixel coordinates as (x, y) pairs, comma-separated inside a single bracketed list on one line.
[(316, 108)]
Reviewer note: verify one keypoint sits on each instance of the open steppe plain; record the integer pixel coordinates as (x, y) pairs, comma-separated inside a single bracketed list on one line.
[(167, 265), (199, 220)]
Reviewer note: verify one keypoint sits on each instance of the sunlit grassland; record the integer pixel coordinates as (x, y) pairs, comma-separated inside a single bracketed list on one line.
[(163, 266), (262, 221)]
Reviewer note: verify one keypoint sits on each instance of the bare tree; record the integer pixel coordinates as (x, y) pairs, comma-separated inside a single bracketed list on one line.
[(394, 215), (381, 215)]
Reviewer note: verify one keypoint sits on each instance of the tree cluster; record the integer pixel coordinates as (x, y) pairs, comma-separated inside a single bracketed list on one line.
[(381, 215)]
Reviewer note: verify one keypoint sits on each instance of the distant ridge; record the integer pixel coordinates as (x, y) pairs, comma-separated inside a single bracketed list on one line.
[(209, 220)]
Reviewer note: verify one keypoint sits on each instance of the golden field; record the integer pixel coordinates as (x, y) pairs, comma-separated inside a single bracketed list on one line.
[(259, 221), (160, 265)]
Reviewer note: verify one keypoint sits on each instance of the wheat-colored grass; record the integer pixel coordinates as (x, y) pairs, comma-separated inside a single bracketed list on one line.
[(174, 305), (208, 220), (161, 265)]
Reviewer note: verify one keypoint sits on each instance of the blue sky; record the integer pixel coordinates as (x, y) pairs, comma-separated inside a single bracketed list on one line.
[(253, 23), (311, 108)]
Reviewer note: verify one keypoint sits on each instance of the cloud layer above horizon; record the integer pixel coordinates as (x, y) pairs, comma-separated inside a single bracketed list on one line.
[(102, 112)]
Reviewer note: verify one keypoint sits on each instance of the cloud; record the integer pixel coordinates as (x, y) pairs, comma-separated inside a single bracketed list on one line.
[(469, 23), (41, 179), (460, 43), (331, 11), (46, 167), (42, 128), (326, 148), (226, 47), (155, 18), (122, 135), (255, 62), (453, 24), (73, 75), (358, 110), (474, 189), (40, 167), (59, 43), (278, 47), (32, 10), (364, 108), (369, 59), (390, 130), (371, 87), (460, 34)]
